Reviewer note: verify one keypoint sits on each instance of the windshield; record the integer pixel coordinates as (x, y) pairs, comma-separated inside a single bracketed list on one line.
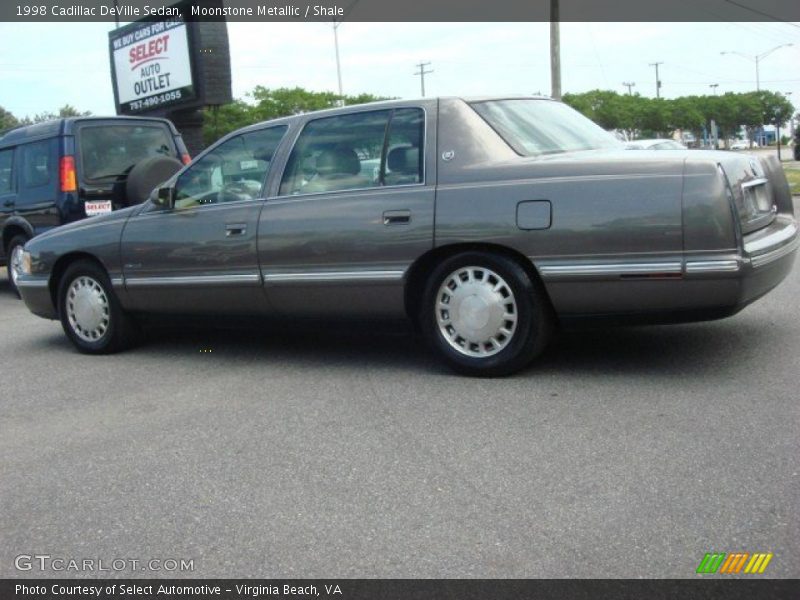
[(110, 151), (534, 127)]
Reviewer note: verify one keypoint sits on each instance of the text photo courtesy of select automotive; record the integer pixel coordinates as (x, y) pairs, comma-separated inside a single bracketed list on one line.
[(268, 311)]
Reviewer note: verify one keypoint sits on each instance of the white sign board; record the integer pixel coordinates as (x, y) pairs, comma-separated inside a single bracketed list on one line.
[(152, 66)]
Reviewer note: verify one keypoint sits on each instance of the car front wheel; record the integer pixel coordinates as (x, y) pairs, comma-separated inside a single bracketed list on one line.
[(90, 313), (484, 315), (14, 253)]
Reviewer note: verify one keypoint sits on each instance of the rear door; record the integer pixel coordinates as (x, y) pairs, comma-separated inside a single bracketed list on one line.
[(200, 256), (8, 191), (38, 186), (353, 209), (107, 150)]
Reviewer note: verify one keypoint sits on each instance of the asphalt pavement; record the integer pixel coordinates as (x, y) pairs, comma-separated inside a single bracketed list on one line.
[(338, 451)]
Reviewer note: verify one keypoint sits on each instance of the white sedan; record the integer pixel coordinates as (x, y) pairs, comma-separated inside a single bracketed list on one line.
[(655, 144)]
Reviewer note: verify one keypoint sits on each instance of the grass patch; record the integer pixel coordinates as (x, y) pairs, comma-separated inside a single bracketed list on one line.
[(793, 175)]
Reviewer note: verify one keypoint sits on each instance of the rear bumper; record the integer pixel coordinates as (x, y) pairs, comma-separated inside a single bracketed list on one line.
[(674, 288), (35, 292), (768, 258)]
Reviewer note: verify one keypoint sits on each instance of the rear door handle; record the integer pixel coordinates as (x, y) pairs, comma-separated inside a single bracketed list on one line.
[(232, 229), (396, 217)]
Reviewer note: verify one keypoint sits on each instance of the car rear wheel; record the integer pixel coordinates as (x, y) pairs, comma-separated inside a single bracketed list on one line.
[(484, 315), (14, 253), (90, 313)]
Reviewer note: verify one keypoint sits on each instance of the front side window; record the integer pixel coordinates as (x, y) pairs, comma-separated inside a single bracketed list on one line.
[(37, 167), (535, 127), (233, 171), (111, 151), (6, 163)]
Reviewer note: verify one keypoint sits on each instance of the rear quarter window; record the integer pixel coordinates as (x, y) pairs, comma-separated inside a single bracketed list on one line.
[(37, 164)]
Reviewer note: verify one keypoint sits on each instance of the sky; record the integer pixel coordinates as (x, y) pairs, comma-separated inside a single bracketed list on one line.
[(46, 65)]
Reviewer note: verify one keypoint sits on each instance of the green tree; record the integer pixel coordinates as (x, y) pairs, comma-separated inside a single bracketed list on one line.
[(263, 104), (65, 111), (7, 120)]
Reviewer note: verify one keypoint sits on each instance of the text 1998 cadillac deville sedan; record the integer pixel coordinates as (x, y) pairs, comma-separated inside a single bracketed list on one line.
[(488, 221)]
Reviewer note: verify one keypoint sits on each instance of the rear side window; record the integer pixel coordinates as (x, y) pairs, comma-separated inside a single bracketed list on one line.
[(6, 163), (357, 151), (337, 153), (404, 152), (37, 167), (111, 151)]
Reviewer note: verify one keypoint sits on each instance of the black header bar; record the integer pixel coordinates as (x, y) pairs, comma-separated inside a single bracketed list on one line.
[(403, 10)]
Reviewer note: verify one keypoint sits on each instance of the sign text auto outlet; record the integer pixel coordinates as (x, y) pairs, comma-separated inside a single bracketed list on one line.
[(152, 65)]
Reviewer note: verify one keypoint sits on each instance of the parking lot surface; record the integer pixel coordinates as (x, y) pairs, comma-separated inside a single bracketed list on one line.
[(350, 452)]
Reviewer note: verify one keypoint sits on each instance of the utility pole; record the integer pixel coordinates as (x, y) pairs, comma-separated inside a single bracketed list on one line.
[(422, 72), (714, 87), (336, 22), (658, 81), (338, 62), (555, 52), (757, 58), (629, 85)]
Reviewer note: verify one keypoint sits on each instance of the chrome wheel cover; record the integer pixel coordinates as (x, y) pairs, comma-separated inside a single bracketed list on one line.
[(15, 265), (87, 309), (476, 312)]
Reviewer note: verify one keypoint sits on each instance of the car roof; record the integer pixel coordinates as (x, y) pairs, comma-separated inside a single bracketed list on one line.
[(66, 126), (380, 104)]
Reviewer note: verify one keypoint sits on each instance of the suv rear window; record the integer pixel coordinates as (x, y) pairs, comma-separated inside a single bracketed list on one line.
[(110, 151)]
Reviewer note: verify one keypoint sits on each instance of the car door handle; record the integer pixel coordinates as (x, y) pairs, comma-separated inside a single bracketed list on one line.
[(8, 203), (232, 229), (396, 217)]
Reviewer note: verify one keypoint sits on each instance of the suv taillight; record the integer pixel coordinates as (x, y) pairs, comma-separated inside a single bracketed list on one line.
[(67, 176), (186, 159)]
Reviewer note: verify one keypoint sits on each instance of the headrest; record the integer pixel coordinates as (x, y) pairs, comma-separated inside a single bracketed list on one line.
[(338, 160), (404, 159)]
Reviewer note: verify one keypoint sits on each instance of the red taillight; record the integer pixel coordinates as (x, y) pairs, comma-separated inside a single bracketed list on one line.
[(186, 159), (66, 171)]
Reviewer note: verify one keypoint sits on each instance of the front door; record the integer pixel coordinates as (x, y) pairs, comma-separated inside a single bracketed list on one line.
[(200, 255)]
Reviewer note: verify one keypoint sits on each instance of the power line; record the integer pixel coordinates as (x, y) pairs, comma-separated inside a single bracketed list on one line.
[(762, 13), (422, 72)]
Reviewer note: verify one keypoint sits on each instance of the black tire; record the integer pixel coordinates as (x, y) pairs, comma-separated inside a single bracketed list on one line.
[(147, 175), (797, 150), (528, 300), (16, 244), (119, 330)]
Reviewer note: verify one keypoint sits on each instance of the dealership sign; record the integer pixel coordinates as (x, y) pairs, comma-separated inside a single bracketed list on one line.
[(151, 63)]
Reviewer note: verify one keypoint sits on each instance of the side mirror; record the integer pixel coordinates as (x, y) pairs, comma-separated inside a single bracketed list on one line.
[(164, 197)]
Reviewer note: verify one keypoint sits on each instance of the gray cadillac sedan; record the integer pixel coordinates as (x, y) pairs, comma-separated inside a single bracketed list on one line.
[(488, 221)]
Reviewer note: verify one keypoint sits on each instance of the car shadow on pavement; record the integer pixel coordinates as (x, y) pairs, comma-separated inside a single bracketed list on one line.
[(671, 350), (663, 350)]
